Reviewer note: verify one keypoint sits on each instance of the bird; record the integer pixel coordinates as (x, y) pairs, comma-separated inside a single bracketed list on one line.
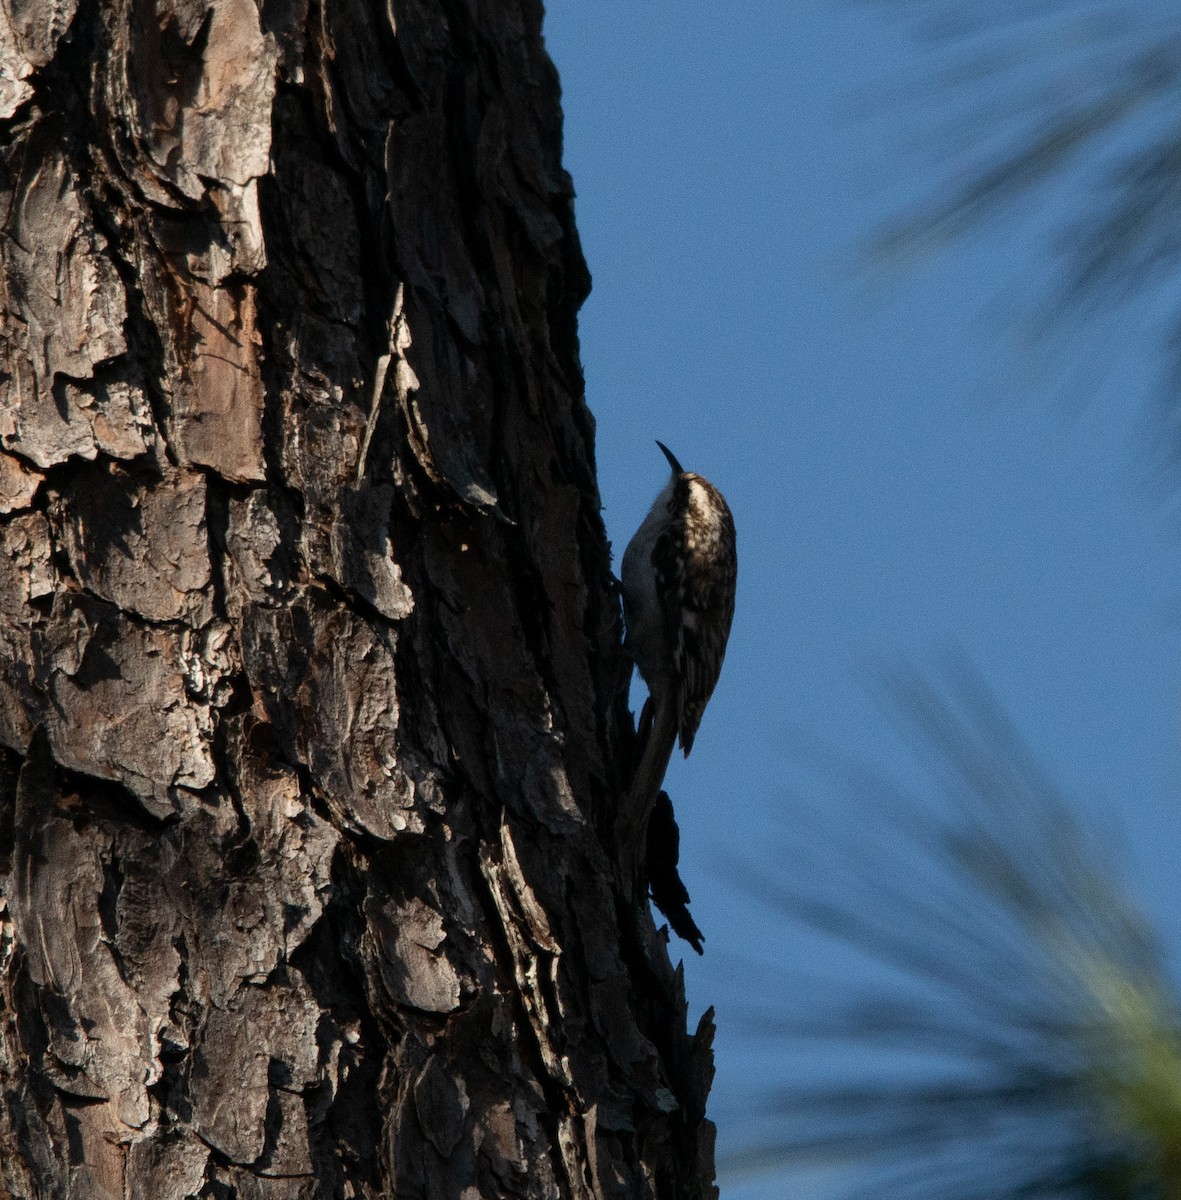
[(678, 580)]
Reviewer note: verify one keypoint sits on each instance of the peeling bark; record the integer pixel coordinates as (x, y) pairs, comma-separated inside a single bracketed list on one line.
[(311, 716)]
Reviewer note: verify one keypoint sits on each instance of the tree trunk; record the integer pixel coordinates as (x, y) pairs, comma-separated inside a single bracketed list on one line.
[(312, 704)]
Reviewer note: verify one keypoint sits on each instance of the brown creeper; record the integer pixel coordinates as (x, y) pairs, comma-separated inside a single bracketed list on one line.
[(679, 574)]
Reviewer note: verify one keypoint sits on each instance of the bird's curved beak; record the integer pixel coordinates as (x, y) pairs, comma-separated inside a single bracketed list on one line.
[(672, 459)]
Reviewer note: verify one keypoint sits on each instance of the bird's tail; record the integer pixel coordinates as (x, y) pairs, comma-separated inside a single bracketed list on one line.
[(654, 756), (657, 748)]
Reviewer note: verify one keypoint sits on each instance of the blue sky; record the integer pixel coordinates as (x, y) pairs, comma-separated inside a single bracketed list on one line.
[(911, 478)]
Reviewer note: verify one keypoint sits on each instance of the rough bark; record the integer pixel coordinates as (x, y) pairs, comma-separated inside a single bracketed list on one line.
[(311, 716)]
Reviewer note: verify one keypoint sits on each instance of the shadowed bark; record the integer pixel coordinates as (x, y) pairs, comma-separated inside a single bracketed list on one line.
[(312, 713)]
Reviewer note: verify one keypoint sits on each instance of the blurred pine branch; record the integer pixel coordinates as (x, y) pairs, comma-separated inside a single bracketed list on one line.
[(1031, 1046), (1064, 115)]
